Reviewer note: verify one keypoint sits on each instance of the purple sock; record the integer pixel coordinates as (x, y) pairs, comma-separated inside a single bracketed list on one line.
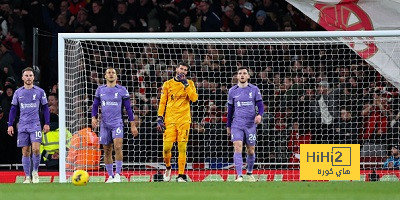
[(109, 168), (250, 162), (36, 162), (237, 158), (118, 167), (26, 163)]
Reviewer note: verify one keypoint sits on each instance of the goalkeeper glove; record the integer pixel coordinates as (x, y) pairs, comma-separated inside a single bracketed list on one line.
[(182, 78), (160, 124)]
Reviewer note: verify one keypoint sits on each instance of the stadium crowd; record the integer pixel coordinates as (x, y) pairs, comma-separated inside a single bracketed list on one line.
[(313, 94)]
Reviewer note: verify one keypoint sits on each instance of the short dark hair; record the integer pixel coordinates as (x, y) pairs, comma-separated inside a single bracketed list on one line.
[(240, 68), (53, 94), (27, 69), (183, 64)]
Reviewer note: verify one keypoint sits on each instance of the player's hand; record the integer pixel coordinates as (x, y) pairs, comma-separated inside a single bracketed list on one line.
[(228, 130), (257, 119), (94, 123), (182, 78), (134, 130), (160, 124), (46, 128), (10, 130)]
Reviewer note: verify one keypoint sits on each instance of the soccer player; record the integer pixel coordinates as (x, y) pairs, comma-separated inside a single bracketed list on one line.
[(242, 121), (112, 98), (175, 104), (29, 99)]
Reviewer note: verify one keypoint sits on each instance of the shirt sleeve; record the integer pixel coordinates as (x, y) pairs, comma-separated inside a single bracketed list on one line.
[(43, 98), (97, 94), (163, 100), (258, 96), (191, 91), (230, 98), (15, 99), (124, 93)]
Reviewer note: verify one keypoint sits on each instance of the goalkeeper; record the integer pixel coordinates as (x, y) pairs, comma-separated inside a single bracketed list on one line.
[(174, 118)]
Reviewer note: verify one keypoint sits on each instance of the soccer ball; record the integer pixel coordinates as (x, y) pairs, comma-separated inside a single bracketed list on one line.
[(80, 178)]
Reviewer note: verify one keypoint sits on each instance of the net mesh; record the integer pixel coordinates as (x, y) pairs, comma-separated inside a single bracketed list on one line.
[(315, 90)]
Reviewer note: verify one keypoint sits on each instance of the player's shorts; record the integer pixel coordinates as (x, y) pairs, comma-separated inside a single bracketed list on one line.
[(177, 132), (247, 135), (108, 134), (27, 136)]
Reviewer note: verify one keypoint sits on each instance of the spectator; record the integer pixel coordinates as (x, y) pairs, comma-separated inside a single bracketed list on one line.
[(80, 23), (346, 131), (76, 5), (100, 18), (326, 113), (211, 22), (247, 14), (264, 22), (53, 100), (393, 162)]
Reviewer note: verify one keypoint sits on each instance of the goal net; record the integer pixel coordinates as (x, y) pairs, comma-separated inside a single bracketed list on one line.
[(316, 90)]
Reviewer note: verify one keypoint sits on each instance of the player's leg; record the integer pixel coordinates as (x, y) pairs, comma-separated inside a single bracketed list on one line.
[(169, 137), (118, 136), (36, 139), (24, 141), (237, 139), (251, 140), (26, 163), (35, 161), (183, 137), (106, 141)]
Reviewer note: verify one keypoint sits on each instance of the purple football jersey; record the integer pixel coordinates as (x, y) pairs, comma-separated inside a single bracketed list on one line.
[(111, 104), (29, 102), (244, 101)]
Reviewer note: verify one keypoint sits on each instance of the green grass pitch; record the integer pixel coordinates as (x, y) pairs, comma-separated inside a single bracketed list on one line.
[(204, 191)]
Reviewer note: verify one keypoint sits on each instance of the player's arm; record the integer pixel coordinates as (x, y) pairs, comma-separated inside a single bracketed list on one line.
[(163, 100), (12, 115), (95, 109), (161, 108), (231, 110), (260, 106), (386, 164), (129, 111), (191, 91), (46, 112)]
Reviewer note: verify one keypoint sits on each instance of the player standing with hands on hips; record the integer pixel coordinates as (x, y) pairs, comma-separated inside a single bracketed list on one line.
[(175, 104), (29, 99), (242, 121), (112, 98)]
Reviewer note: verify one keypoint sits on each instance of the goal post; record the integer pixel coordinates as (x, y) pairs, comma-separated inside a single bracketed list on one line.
[(288, 67)]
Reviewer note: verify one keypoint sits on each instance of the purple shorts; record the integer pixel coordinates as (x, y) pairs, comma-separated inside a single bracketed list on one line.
[(107, 134), (239, 134), (27, 137)]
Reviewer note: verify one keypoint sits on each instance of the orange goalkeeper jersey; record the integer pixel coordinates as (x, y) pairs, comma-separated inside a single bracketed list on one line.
[(175, 101)]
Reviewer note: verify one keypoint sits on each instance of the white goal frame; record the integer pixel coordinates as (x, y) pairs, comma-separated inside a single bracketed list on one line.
[(199, 35)]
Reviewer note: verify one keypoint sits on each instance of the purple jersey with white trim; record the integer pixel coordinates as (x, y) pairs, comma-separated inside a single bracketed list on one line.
[(29, 102), (111, 100), (244, 101)]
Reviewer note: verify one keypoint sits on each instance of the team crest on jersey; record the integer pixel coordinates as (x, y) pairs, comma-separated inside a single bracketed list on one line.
[(116, 95), (34, 97), (251, 95)]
